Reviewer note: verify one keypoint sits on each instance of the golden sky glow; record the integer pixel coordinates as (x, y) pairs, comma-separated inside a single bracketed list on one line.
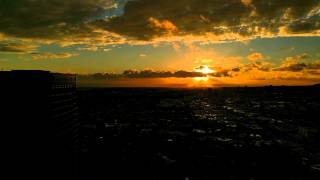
[(194, 43)]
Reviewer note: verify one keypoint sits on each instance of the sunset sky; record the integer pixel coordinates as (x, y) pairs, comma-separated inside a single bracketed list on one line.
[(175, 42)]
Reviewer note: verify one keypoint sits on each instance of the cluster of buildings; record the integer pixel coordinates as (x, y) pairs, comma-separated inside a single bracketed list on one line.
[(39, 116)]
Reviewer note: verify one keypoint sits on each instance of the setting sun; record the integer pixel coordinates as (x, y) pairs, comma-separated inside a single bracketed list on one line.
[(204, 69)]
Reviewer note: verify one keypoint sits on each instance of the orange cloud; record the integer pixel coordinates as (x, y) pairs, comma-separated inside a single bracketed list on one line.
[(255, 56), (164, 25), (176, 46), (53, 56), (91, 48)]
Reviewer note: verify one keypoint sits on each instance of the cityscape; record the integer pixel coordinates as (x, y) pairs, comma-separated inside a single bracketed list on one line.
[(160, 89)]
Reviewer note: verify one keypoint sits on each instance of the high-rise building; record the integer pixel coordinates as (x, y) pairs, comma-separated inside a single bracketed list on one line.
[(39, 120)]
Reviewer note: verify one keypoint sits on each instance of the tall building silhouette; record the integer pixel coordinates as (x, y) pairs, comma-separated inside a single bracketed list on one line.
[(39, 117)]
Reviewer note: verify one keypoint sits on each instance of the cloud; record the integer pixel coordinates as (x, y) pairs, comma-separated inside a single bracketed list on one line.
[(184, 74), (263, 66), (181, 17), (84, 21), (314, 65), (149, 73), (292, 68), (92, 48), (293, 64), (299, 66), (255, 56), (103, 22), (164, 26), (296, 67), (44, 56), (150, 19), (98, 76), (7, 47), (176, 46), (316, 73), (50, 19), (63, 22), (160, 74), (311, 24)]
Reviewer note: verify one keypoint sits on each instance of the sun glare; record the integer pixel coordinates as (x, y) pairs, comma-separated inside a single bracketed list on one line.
[(204, 69), (201, 79)]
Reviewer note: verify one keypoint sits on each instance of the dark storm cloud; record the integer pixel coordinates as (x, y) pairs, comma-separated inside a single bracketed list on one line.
[(148, 19), (49, 19), (273, 9), (245, 17), (189, 16), (305, 26)]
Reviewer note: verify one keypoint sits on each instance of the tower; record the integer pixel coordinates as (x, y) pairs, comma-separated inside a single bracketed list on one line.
[(39, 117)]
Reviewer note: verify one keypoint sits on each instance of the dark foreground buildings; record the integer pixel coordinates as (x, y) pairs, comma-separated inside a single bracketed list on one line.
[(39, 122)]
